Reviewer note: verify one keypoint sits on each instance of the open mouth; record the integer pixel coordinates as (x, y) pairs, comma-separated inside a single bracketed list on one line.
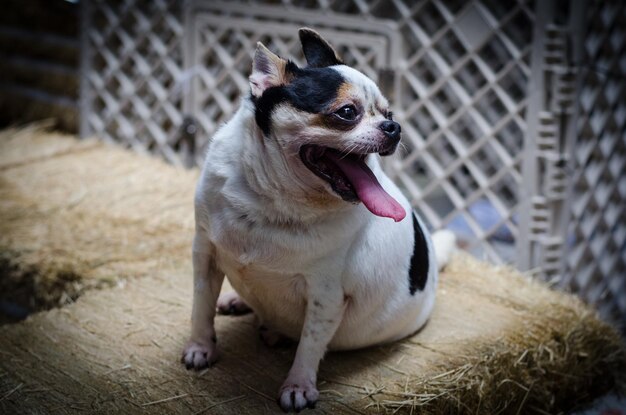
[(351, 178)]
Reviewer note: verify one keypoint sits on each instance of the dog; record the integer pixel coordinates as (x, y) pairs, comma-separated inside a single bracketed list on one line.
[(293, 206)]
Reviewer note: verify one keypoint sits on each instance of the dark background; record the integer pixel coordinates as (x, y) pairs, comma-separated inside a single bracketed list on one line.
[(39, 62)]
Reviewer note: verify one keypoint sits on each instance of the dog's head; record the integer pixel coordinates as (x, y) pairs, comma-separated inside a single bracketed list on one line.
[(327, 120)]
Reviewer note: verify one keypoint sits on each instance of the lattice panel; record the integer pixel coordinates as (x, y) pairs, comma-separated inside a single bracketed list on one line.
[(131, 87), (595, 257), (460, 94), (463, 97), (458, 74)]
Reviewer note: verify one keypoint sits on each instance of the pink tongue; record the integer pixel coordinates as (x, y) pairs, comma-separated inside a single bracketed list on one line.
[(371, 193)]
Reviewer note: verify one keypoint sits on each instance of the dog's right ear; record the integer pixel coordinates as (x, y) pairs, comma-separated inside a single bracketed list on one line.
[(268, 70)]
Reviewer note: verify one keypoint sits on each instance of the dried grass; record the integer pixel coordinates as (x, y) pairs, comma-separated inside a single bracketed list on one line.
[(79, 215), (497, 342), (549, 368)]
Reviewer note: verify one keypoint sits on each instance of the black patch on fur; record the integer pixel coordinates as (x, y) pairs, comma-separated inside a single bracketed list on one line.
[(418, 272), (311, 90), (265, 104)]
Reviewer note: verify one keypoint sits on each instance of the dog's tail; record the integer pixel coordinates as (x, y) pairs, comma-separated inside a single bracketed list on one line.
[(444, 244)]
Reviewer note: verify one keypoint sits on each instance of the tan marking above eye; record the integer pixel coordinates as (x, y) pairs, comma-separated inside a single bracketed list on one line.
[(344, 94)]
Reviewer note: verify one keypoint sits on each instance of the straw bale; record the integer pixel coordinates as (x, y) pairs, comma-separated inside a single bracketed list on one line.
[(496, 343), (80, 214)]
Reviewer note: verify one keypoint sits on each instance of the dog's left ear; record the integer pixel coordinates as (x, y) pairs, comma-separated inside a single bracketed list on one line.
[(317, 51), (268, 70)]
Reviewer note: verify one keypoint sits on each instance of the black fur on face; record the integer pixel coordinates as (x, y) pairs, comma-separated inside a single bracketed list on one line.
[(311, 90)]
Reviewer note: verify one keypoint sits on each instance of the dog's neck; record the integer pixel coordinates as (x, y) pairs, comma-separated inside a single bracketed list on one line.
[(285, 196)]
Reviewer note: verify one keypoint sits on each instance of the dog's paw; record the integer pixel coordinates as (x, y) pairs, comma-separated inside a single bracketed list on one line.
[(199, 355), (297, 394), (231, 303)]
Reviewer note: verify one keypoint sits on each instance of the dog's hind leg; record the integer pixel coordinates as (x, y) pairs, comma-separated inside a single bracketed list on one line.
[(444, 244), (231, 303)]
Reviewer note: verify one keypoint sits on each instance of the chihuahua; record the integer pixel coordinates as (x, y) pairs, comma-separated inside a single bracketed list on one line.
[(293, 206)]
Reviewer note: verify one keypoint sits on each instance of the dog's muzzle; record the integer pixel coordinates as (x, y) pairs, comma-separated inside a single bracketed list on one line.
[(351, 178), (392, 131)]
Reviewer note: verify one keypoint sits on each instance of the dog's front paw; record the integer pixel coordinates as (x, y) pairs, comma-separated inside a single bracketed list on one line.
[(297, 394), (199, 355)]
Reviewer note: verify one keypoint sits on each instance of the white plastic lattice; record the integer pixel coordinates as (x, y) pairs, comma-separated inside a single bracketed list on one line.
[(462, 97), (458, 75), (132, 63), (505, 142), (595, 252)]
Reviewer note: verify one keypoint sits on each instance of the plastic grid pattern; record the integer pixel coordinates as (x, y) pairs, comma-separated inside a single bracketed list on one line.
[(458, 88), (131, 64), (460, 76), (595, 239), (456, 73), (462, 98), (549, 125)]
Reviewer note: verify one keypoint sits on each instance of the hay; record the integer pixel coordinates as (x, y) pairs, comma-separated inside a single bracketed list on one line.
[(496, 343), (546, 361), (77, 215)]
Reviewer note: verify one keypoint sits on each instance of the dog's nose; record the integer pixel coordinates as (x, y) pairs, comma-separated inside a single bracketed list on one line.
[(391, 129), (392, 132)]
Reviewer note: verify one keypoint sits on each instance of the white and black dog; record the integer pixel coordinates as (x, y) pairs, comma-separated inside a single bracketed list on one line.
[(294, 208)]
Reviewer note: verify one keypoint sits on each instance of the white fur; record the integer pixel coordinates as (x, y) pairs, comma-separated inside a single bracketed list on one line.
[(444, 242), (311, 266)]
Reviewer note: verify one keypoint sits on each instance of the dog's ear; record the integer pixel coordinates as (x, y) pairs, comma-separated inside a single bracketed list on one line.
[(317, 51), (268, 70)]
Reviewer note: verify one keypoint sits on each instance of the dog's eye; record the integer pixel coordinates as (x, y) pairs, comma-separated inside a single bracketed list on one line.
[(389, 115), (347, 113)]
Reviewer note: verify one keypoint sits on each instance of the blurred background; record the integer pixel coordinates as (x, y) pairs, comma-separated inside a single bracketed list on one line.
[(513, 112)]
